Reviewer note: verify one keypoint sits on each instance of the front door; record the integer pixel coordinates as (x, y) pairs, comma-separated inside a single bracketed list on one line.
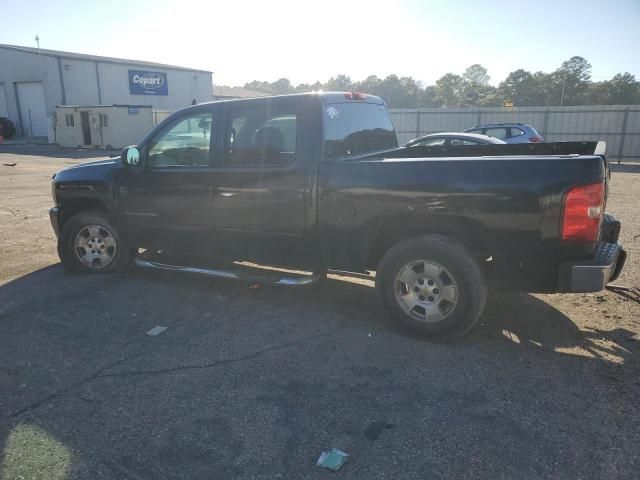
[(260, 192), (166, 202), (86, 128)]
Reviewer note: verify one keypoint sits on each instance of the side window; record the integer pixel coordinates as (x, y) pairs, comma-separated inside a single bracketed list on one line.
[(431, 142), (497, 132), (69, 120), (184, 143), (460, 141), (516, 132), (261, 136)]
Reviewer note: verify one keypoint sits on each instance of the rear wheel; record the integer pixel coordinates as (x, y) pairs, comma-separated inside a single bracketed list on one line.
[(90, 243), (432, 285)]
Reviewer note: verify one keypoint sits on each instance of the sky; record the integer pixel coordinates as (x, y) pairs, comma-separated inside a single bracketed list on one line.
[(246, 40)]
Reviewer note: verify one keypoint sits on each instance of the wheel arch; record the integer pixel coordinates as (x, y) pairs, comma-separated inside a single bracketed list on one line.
[(385, 232), (73, 206)]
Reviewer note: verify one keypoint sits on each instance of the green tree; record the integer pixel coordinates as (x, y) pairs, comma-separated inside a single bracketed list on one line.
[(340, 83), (450, 90), (520, 87), (282, 86), (477, 74), (573, 78), (623, 89)]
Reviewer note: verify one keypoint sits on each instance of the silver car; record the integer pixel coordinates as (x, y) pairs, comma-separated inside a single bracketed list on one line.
[(450, 139)]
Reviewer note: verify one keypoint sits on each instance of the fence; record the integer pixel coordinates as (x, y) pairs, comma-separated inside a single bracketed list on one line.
[(618, 125)]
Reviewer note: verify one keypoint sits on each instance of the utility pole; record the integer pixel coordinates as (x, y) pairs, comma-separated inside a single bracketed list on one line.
[(564, 82)]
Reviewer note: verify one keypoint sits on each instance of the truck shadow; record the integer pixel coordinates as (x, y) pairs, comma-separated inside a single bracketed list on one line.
[(526, 320), (55, 151), (60, 329)]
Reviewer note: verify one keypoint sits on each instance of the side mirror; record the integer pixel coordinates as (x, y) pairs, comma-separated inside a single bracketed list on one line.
[(130, 156)]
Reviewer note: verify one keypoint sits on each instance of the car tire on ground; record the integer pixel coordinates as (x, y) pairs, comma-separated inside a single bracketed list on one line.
[(432, 286), (90, 243)]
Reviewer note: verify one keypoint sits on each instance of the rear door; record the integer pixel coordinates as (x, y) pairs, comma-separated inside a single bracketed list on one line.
[(260, 189)]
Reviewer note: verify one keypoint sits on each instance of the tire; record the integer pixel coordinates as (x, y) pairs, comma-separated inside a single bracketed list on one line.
[(90, 243), (432, 286)]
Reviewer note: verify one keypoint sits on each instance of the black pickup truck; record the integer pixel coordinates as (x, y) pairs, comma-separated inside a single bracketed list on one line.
[(317, 181)]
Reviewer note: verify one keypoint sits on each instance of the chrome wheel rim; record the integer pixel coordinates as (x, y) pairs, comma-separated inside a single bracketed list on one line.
[(426, 291), (95, 246)]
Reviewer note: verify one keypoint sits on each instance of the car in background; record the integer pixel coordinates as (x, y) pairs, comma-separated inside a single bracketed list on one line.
[(450, 139), (509, 132)]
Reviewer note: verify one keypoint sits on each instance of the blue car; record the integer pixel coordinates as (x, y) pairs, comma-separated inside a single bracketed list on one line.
[(509, 132)]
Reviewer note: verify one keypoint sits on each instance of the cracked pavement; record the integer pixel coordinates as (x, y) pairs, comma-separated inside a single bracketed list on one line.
[(256, 383)]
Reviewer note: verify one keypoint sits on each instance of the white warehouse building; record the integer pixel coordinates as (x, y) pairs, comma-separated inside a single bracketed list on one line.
[(34, 81)]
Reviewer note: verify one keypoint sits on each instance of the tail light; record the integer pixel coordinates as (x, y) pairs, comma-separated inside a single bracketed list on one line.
[(355, 96), (536, 139), (583, 211)]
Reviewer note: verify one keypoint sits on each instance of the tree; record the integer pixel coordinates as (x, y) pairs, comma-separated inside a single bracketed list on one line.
[(476, 73), (306, 87), (520, 87), (449, 90), (623, 89), (341, 83), (569, 85), (258, 86), (573, 77), (282, 86)]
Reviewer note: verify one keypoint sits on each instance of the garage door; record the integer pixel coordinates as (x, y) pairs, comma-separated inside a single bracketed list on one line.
[(32, 109), (4, 111)]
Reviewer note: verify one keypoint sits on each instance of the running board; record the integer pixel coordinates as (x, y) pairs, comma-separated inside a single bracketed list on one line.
[(144, 261)]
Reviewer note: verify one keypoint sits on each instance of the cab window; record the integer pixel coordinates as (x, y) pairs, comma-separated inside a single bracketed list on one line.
[(183, 143), (356, 128), (261, 137)]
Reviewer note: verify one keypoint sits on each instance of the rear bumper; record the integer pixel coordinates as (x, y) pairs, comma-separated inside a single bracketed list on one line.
[(592, 275), (54, 216)]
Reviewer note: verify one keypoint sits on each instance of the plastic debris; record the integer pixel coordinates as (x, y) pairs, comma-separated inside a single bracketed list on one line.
[(332, 460), (254, 286), (157, 330)]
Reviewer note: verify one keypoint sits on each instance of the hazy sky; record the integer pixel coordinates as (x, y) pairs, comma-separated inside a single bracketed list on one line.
[(307, 41)]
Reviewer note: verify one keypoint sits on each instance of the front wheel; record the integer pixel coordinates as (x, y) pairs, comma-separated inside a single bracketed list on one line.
[(432, 285), (88, 242)]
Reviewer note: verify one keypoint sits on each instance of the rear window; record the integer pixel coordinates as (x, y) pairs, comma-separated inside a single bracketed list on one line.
[(357, 128)]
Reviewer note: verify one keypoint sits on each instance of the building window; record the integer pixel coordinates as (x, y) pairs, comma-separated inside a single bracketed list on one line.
[(69, 121), (104, 120)]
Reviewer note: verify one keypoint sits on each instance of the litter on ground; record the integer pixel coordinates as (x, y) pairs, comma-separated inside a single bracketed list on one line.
[(157, 330), (332, 460)]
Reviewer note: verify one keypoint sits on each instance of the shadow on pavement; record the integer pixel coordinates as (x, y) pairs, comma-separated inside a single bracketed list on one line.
[(250, 383), (56, 151)]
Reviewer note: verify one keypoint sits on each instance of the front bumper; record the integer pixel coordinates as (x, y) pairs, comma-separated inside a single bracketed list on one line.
[(54, 216), (592, 275)]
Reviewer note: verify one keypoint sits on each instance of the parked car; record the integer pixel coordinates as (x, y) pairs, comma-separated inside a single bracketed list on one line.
[(509, 132), (453, 138), (316, 182)]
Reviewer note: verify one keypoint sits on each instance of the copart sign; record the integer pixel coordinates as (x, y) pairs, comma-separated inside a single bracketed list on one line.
[(148, 83)]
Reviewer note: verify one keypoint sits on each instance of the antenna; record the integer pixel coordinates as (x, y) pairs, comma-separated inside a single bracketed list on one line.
[(38, 41)]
